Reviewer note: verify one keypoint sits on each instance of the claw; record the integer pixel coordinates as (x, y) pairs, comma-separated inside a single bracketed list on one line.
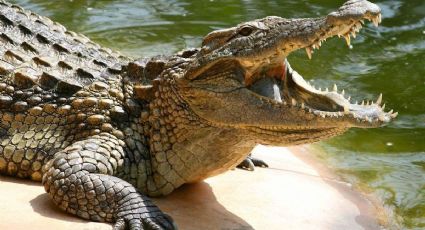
[(119, 225)]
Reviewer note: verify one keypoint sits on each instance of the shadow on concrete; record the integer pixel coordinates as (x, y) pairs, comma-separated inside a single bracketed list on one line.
[(194, 206)]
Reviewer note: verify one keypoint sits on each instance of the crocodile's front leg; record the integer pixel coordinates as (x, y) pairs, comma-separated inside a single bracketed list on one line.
[(79, 180)]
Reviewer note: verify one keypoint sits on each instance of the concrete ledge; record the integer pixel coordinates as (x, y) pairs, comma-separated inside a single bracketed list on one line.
[(291, 194)]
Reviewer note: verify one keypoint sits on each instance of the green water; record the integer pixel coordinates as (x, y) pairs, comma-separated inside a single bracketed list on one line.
[(389, 59)]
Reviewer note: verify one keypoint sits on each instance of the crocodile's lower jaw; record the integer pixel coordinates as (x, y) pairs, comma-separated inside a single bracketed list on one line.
[(283, 86)]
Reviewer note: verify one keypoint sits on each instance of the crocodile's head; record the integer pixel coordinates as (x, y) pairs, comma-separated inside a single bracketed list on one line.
[(240, 78)]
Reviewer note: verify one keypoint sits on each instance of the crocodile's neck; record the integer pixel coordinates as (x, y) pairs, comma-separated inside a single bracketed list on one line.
[(182, 147)]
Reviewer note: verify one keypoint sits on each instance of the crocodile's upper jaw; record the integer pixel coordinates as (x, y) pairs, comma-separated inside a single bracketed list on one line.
[(272, 95)]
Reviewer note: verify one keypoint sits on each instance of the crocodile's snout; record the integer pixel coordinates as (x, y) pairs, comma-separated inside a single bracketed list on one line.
[(355, 10)]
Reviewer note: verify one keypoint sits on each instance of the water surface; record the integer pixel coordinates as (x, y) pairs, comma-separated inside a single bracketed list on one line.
[(389, 161)]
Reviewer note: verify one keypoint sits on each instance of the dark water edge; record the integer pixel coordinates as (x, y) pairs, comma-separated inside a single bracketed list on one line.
[(389, 161)]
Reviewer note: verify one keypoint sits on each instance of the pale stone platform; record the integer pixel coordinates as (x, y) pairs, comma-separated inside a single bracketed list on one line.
[(291, 194)]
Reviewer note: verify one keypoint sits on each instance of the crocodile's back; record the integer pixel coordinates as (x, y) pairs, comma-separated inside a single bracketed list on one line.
[(54, 89), (41, 52)]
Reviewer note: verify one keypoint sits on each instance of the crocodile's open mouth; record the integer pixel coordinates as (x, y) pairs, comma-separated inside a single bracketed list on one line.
[(281, 85)]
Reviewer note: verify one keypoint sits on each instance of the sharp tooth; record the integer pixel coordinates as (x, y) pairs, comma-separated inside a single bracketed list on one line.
[(357, 102), (346, 110), (383, 107), (394, 115), (302, 105), (293, 101), (379, 101), (347, 39), (342, 92), (353, 33), (391, 111), (326, 90), (381, 117), (362, 102), (349, 98), (309, 51), (320, 88), (358, 26), (362, 22), (379, 18), (335, 88), (375, 21), (323, 115)]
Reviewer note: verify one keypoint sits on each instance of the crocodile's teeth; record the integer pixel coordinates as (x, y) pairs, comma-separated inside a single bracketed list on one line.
[(383, 107), (302, 105), (394, 115), (342, 92), (375, 21), (358, 26), (379, 18), (347, 39), (335, 88), (309, 51), (379, 101), (346, 110), (391, 111), (293, 101), (349, 98), (362, 102)]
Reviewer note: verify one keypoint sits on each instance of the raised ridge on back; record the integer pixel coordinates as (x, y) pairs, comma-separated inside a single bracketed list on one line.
[(38, 51)]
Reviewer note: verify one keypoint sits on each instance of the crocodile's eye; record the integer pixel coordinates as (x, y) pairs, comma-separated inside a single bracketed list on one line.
[(246, 31)]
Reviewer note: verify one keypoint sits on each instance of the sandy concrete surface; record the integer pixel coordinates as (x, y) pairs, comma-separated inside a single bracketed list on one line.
[(294, 193)]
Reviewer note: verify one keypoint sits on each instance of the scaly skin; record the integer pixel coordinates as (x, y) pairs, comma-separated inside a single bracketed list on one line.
[(103, 132)]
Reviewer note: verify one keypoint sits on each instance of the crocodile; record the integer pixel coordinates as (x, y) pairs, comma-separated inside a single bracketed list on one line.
[(104, 132)]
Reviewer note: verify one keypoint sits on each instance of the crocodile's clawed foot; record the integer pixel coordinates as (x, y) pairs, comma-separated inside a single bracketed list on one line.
[(249, 163), (159, 221)]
